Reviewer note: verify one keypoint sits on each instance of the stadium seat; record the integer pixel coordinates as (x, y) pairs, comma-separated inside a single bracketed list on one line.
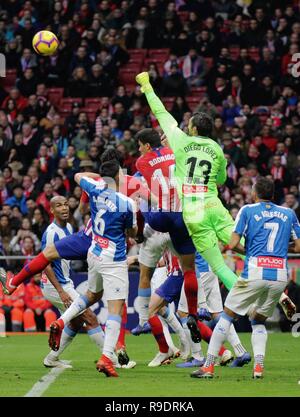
[(68, 101), (137, 53), (157, 61), (65, 112), (92, 103), (55, 95), (126, 76), (10, 79), (136, 67), (161, 54), (198, 91)]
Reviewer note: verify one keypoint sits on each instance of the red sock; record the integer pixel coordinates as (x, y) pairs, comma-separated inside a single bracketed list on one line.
[(158, 333), (38, 264), (191, 291), (221, 351), (206, 333), (121, 340)]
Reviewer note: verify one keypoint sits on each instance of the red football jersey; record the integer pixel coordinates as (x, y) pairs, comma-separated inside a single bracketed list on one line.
[(157, 167), (171, 262)]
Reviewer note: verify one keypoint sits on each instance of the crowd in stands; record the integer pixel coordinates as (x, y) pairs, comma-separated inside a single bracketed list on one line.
[(230, 58)]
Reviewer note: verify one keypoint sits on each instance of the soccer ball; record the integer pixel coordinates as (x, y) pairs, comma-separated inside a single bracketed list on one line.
[(45, 43)]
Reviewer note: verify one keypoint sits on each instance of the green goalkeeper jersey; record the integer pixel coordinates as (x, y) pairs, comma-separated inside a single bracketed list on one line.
[(200, 161)]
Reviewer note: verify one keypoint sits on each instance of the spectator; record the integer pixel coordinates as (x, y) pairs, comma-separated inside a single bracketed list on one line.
[(174, 84), (39, 222), (27, 83), (45, 197), (179, 107), (122, 117), (99, 83), (291, 202), (230, 110), (18, 199), (78, 84), (219, 92), (18, 244), (81, 143), (193, 68)]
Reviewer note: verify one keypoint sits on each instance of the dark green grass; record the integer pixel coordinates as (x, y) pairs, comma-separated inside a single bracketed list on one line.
[(21, 367)]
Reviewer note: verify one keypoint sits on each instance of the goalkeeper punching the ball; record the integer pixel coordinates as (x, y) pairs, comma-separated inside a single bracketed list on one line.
[(200, 167)]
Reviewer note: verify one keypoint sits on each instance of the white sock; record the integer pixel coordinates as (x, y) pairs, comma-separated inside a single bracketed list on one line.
[(97, 336), (144, 295), (167, 334), (235, 342), (2, 325), (173, 322), (218, 337), (77, 307), (259, 341), (112, 331), (196, 349), (67, 337)]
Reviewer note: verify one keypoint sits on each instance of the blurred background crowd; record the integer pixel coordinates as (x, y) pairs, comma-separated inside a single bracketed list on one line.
[(230, 58)]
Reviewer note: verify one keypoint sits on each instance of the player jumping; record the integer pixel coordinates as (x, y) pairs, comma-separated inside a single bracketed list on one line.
[(113, 214), (200, 168)]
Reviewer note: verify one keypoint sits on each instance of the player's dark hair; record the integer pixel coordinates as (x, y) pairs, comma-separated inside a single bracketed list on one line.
[(150, 136), (264, 188), (112, 154), (204, 124), (109, 169)]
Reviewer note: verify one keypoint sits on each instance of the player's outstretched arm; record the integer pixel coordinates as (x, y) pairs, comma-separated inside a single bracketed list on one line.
[(166, 120), (79, 175)]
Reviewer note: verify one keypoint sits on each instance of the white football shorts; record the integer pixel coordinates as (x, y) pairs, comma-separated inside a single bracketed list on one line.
[(50, 293), (153, 247), (209, 295), (112, 278), (262, 293)]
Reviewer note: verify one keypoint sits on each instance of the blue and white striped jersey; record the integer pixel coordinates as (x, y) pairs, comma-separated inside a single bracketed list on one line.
[(112, 213), (267, 229), (201, 264), (61, 267)]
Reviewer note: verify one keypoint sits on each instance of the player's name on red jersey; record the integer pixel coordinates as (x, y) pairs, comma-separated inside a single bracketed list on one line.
[(159, 159)]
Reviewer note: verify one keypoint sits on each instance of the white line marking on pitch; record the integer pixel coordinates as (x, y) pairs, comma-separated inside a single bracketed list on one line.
[(44, 383)]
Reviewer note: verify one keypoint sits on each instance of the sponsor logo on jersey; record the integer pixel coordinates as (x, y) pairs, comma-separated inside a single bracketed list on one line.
[(270, 262), (193, 189), (102, 241)]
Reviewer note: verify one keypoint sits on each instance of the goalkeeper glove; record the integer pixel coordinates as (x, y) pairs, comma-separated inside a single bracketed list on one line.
[(143, 80)]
